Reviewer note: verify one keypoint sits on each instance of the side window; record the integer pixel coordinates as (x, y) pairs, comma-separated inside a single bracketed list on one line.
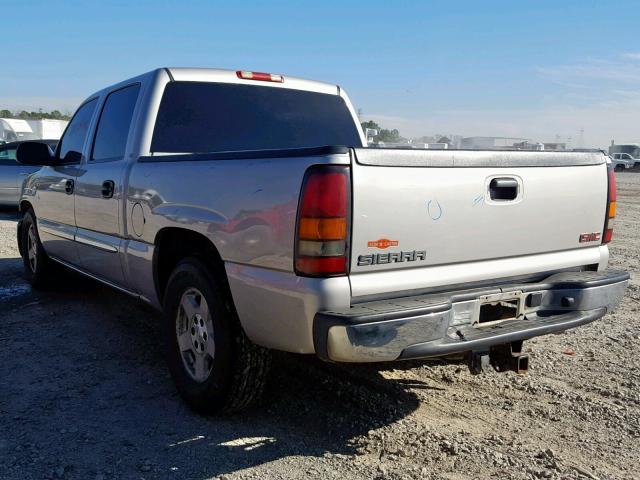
[(8, 156), (113, 127), (70, 146)]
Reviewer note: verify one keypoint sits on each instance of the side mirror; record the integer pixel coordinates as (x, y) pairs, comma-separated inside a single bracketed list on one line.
[(34, 153)]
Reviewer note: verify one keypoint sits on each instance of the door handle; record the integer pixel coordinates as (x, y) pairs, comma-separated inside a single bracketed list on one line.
[(68, 186), (503, 189), (108, 186)]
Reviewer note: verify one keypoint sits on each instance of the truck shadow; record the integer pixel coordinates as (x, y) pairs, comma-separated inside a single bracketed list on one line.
[(104, 393), (9, 213)]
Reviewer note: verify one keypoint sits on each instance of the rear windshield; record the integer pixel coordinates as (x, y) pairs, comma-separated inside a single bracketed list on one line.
[(198, 117)]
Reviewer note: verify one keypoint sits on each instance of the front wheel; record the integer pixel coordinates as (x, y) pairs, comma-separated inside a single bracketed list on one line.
[(37, 265), (214, 365)]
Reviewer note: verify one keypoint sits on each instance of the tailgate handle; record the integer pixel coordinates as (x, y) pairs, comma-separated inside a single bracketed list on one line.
[(504, 189)]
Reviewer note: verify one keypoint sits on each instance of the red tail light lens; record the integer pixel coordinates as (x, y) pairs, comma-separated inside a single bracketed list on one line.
[(321, 236), (325, 195), (260, 76), (611, 208)]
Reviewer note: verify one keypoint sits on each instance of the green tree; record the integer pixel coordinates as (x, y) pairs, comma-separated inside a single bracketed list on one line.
[(370, 124), (390, 136), (384, 135), (40, 114)]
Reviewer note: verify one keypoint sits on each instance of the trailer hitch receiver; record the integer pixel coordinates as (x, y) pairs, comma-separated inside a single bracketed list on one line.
[(501, 357)]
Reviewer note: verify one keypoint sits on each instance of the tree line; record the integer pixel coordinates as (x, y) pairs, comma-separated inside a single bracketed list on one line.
[(384, 135), (39, 115), (393, 136)]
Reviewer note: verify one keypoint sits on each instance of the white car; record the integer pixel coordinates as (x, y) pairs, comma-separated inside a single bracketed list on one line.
[(624, 160), (12, 174)]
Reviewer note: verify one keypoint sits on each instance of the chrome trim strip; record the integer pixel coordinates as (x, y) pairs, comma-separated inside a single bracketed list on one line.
[(56, 233), (92, 242)]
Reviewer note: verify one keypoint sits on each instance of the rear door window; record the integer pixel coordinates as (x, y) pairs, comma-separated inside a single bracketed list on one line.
[(114, 124), (199, 117)]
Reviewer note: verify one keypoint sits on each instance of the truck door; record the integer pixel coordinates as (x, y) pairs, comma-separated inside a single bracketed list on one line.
[(56, 185), (100, 188)]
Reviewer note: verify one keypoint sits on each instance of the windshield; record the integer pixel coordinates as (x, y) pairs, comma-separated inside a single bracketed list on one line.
[(199, 117)]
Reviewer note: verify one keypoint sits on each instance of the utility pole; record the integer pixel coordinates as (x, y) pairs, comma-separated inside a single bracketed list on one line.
[(581, 138)]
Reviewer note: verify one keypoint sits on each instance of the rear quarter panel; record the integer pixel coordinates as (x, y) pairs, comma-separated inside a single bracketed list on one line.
[(247, 207)]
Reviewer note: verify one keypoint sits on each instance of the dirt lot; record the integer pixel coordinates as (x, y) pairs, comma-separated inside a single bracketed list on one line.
[(84, 394)]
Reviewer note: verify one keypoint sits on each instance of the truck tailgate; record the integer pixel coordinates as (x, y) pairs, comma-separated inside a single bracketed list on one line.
[(426, 208)]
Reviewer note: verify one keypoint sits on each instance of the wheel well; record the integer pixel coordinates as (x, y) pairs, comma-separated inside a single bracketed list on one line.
[(24, 206), (173, 245)]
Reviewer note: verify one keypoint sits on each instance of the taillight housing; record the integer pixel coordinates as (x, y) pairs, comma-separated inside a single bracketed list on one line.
[(321, 243), (259, 76), (611, 207)]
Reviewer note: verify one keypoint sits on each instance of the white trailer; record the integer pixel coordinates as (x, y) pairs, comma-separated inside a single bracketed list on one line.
[(47, 129)]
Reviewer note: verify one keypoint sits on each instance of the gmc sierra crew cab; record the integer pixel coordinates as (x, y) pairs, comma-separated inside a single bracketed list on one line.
[(246, 207)]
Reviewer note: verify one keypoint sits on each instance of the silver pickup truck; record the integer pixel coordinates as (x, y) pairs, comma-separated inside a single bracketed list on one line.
[(246, 207)]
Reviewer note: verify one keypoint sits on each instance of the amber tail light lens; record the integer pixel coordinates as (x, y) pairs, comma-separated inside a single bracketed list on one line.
[(611, 207), (323, 220)]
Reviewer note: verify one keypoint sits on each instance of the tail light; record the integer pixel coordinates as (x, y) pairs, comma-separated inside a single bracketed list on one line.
[(262, 77), (611, 207), (323, 219)]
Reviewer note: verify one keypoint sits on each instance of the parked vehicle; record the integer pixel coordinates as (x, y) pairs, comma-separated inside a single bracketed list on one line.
[(625, 160), (12, 174), (618, 163), (246, 207), (631, 149)]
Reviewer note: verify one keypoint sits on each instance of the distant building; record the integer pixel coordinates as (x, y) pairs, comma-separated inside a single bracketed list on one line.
[(14, 129), (555, 146), (526, 145), (490, 143), (430, 146), (437, 146), (437, 141)]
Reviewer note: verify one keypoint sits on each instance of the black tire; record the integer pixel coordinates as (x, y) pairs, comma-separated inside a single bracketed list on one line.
[(238, 369), (37, 265), (618, 168)]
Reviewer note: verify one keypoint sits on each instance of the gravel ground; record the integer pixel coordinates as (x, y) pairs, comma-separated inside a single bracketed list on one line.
[(84, 394)]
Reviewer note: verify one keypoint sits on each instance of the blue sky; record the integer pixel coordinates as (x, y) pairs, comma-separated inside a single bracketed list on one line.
[(536, 69)]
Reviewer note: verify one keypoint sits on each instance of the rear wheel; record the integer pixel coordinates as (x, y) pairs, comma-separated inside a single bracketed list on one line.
[(37, 266), (214, 365), (618, 168)]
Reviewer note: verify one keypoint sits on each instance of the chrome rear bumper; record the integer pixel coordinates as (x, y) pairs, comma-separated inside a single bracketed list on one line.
[(443, 324)]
